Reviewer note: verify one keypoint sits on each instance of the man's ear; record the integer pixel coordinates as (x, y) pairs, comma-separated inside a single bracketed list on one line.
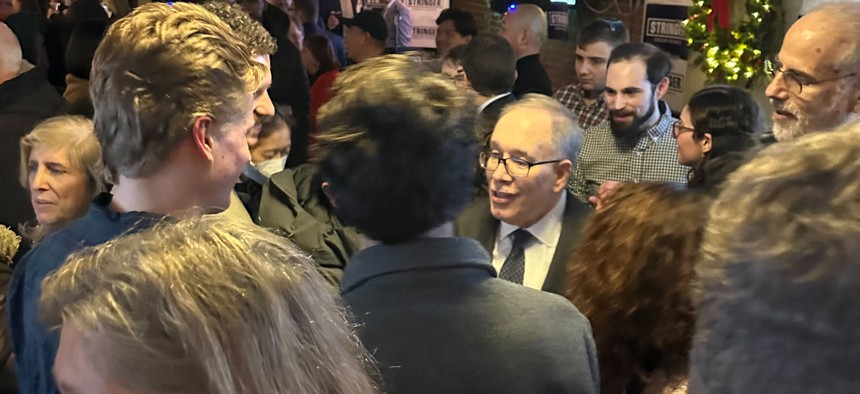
[(562, 172), (524, 37), (662, 87), (326, 188), (707, 142), (201, 136)]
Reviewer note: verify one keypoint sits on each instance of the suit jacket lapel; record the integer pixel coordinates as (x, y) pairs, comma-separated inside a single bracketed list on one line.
[(489, 226), (576, 215), (477, 223)]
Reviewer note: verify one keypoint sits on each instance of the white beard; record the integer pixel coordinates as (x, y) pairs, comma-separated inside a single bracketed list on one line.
[(792, 129)]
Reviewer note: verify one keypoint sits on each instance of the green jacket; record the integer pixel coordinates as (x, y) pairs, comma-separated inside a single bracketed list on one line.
[(294, 204)]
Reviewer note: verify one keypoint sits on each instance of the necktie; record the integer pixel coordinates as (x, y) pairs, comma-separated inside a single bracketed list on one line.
[(515, 265)]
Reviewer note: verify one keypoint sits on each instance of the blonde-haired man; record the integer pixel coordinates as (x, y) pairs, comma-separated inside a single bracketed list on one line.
[(201, 305), (173, 91)]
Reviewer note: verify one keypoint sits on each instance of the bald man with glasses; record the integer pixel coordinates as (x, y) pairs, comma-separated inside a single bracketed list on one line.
[(815, 79), (530, 222)]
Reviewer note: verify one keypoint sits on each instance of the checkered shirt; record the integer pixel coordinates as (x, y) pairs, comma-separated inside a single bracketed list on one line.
[(653, 159), (589, 115)]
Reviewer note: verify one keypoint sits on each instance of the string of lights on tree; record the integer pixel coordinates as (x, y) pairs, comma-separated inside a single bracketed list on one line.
[(734, 51)]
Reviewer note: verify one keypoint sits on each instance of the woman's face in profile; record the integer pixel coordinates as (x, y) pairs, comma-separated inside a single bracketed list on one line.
[(58, 190), (690, 151)]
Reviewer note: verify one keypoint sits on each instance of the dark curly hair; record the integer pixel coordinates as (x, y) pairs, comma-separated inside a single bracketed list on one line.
[(464, 21), (397, 147), (733, 119), (251, 32), (632, 276)]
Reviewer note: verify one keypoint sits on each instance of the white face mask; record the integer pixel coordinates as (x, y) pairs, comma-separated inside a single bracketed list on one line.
[(272, 166)]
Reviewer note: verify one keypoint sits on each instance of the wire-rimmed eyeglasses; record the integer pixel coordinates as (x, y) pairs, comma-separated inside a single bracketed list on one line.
[(794, 82), (515, 167)]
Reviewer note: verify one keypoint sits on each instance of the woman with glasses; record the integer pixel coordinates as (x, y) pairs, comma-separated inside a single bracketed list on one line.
[(717, 127)]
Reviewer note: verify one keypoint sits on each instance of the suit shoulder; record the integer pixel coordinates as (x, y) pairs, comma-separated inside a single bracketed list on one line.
[(553, 306), (576, 209), (478, 209)]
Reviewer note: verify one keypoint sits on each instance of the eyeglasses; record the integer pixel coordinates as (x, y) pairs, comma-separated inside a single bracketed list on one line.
[(514, 167), (792, 81), (678, 128), (460, 76)]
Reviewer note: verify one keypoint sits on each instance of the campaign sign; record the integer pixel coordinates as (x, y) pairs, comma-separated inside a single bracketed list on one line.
[(663, 28)]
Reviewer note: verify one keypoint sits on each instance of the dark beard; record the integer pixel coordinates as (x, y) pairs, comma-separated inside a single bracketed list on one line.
[(628, 136)]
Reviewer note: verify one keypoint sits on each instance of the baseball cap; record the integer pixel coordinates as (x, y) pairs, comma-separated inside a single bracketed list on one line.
[(370, 21)]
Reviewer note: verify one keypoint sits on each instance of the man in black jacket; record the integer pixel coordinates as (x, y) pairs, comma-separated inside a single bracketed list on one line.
[(525, 29), (397, 163)]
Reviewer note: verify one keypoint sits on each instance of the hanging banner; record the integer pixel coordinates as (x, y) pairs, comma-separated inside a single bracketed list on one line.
[(557, 20), (663, 29), (424, 14)]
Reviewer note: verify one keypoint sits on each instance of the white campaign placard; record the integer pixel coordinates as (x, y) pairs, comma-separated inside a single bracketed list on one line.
[(424, 14), (662, 27)]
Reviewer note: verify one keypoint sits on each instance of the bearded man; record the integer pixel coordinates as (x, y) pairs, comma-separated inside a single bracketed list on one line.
[(635, 144), (815, 83)]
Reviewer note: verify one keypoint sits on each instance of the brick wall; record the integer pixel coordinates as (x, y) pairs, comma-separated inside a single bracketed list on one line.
[(557, 56)]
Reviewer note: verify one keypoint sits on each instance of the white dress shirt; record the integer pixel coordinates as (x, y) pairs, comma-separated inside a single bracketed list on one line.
[(539, 251), (490, 101)]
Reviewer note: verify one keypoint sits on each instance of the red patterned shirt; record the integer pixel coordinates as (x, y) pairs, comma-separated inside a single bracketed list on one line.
[(589, 115)]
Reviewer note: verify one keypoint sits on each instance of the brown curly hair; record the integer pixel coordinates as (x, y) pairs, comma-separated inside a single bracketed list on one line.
[(632, 276)]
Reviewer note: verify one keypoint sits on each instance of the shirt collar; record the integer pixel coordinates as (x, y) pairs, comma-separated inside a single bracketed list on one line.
[(546, 229), (419, 254), (490, 101), (664, 124), (580, 95)]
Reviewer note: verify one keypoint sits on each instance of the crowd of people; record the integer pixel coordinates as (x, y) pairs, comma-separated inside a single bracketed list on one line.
[(269, 198)]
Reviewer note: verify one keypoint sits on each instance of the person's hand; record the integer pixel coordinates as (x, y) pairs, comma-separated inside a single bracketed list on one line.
[(332, 21), (603, 193)]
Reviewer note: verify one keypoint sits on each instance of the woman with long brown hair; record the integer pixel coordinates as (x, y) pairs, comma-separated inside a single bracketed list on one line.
[(322, 65), (632, 276)]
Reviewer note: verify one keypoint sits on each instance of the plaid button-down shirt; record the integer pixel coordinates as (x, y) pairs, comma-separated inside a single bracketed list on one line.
[(589, 115), (654, 158)]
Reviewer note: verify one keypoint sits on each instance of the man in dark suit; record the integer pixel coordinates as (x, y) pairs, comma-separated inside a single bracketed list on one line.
[(490, 69), (428, 305), (531, 222)]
